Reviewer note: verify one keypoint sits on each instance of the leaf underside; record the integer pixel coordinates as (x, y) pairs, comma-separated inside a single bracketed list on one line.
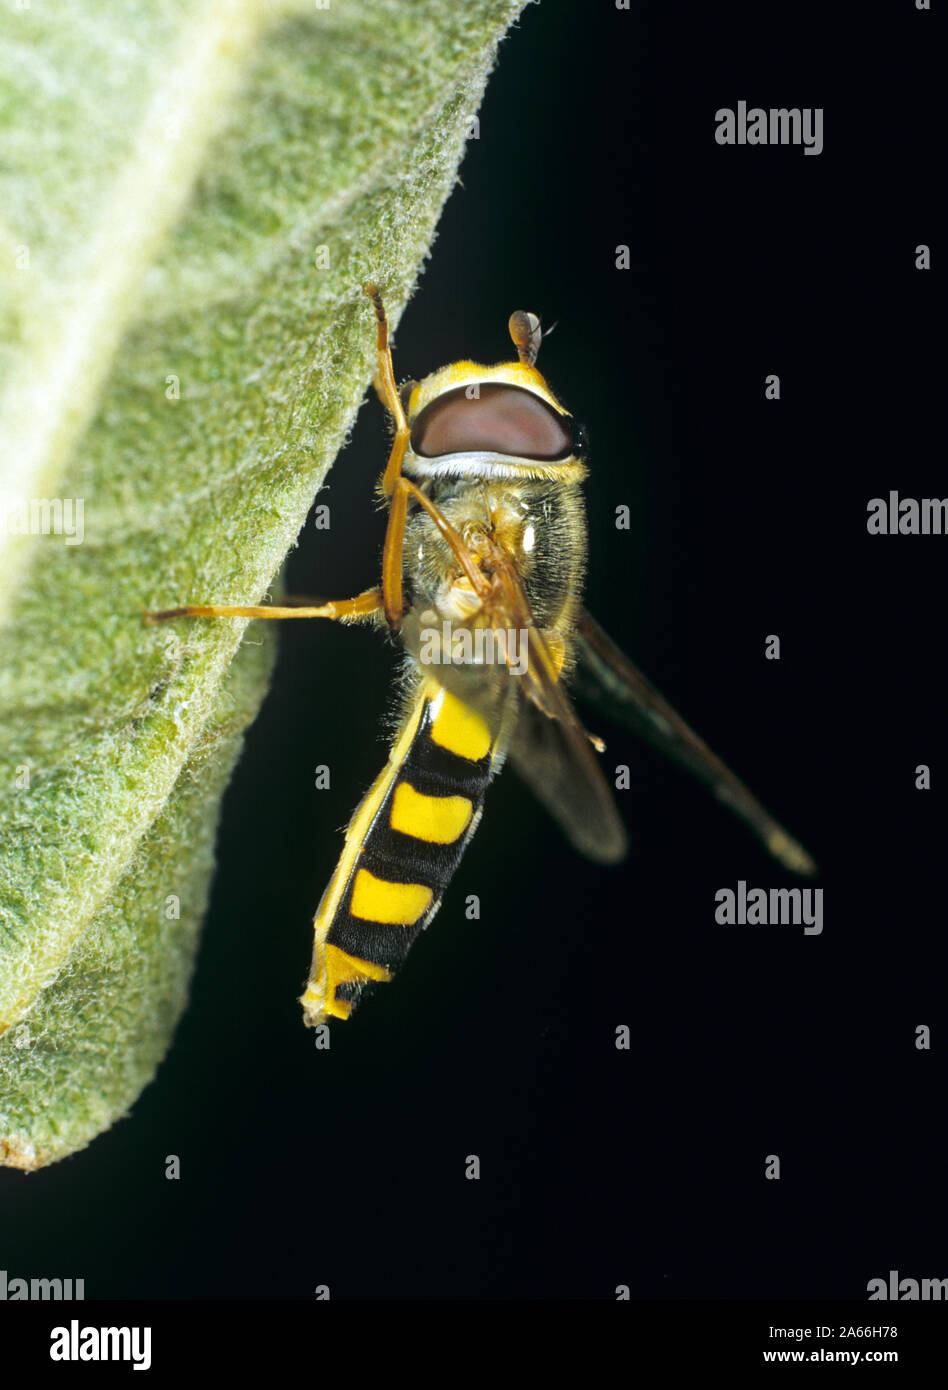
[(193, 199)]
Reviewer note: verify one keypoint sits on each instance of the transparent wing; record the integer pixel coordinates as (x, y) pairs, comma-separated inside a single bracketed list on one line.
[(606, 676), (561, 770), (543, 739)]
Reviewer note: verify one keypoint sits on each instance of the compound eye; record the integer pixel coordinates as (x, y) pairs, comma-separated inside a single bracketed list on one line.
[(491, 417)]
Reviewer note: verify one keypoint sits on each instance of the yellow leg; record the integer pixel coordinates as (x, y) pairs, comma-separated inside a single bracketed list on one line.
[(342, 610), (388, 395), (364, 605), (392, 597)]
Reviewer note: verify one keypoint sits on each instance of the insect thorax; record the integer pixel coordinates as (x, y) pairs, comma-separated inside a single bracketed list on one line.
[(540, 524)]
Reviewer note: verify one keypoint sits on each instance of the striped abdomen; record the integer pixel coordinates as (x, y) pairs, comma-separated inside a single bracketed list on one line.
[(402, 847)]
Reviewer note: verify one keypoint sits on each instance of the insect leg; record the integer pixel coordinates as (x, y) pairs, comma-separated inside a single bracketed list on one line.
[(364, 605), (388, 395), (392, 596)]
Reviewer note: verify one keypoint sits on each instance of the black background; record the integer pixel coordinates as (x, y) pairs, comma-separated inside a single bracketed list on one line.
[(599, 1167)]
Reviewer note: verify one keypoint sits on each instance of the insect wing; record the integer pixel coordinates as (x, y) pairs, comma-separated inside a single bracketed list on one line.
[(543, 738), (606, 676), (560, 768), (550, 748)]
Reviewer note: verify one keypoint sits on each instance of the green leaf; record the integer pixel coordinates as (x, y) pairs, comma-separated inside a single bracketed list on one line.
[(193, 198)]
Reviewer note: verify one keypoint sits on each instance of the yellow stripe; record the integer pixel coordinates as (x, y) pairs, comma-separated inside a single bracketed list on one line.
[(458, 729), (392, 904), (363, 817), (343, 969), (318, 999), (438, 819)]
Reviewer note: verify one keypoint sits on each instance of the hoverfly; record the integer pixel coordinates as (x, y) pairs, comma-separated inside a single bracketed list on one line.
[(482, 567)]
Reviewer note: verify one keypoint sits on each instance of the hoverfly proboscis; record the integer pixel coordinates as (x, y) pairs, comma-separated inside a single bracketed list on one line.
[(482, 567)]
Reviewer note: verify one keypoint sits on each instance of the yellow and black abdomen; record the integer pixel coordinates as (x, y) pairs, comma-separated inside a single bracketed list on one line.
[(402, 848)]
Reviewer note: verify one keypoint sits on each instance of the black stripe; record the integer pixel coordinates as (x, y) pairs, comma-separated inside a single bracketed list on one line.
[(395, 857), (400, 858), (439, 771), (373, 941), (350, 991)]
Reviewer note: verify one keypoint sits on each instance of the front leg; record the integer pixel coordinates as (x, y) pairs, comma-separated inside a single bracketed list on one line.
[(393, 600), (343, 610)]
